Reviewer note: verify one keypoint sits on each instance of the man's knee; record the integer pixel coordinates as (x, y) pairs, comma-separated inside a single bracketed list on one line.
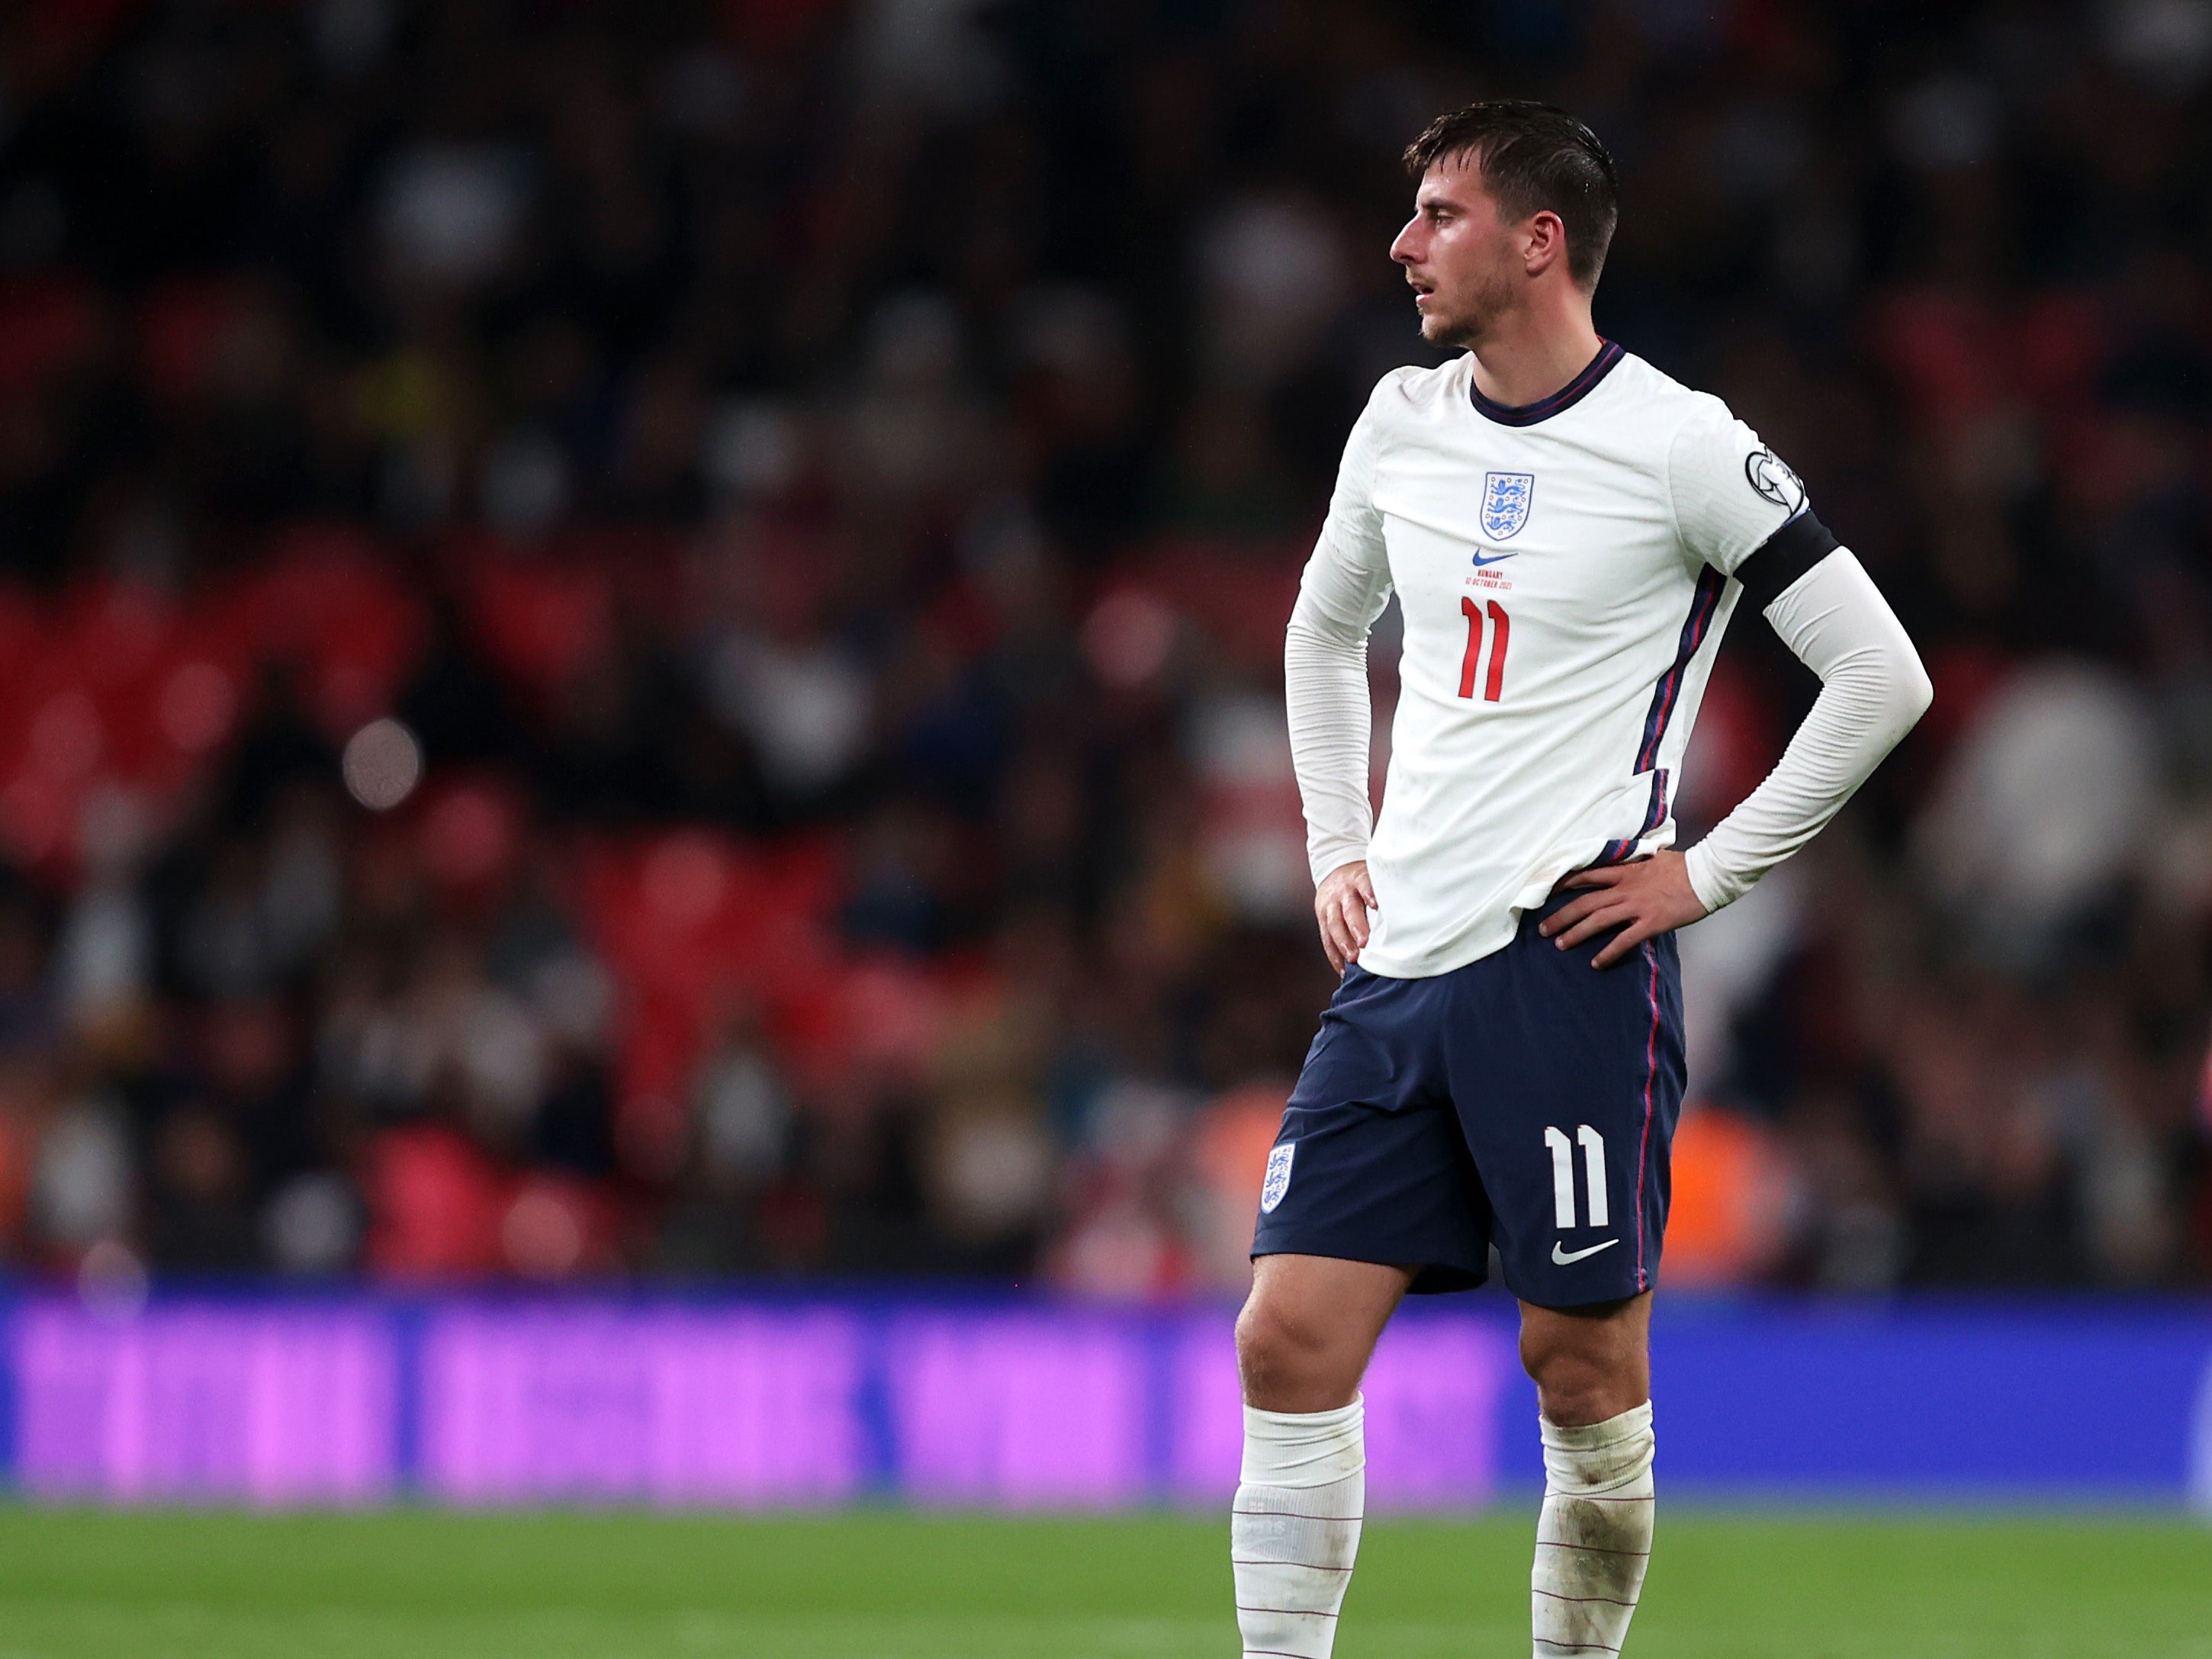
[(1588, 1364), (1282, 1353), (1299, 1353), (1307, 1327), (1577, 1388)]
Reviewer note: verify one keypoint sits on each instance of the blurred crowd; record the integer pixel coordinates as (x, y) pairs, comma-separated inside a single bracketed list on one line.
[(646, 638)]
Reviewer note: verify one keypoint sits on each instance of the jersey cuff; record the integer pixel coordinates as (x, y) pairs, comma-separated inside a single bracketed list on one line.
[(1327, 861), (1713, 889), (1785, 556)]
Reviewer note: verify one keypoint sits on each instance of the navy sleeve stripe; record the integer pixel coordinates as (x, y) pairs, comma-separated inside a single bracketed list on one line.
[(1784, 556)]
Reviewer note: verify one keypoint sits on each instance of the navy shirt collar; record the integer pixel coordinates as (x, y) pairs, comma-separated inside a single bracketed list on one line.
[(1566, 397)]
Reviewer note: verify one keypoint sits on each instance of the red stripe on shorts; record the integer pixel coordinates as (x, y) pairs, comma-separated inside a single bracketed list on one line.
[(1643, 1145)]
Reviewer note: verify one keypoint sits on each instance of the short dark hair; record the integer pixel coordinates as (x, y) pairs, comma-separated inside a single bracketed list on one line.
[(1532, 157)]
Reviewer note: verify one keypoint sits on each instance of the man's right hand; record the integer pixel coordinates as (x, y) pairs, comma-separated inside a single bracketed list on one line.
[(1341, 905)]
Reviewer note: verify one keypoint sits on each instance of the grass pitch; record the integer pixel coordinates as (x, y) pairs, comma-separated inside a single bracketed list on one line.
[(429, 1585)]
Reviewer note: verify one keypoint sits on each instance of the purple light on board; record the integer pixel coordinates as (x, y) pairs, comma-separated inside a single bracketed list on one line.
[(1206, 1410), (1432, 1397), (740, 1407), (1020, 1410), (270, 1406), (738, 1404)]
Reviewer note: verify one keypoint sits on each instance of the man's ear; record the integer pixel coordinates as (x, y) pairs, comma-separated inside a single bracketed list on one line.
[(1545, 242)]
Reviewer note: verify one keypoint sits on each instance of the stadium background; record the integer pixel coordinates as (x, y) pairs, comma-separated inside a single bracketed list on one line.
[(639, 684), (821, 486)]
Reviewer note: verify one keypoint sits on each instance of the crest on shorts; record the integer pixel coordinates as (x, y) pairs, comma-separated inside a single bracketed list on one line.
[(1506, 497), (1279, 1177)]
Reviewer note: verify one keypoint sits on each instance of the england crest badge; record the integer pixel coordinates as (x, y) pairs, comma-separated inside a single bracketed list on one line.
[(1279, 1177), (1506, 498)]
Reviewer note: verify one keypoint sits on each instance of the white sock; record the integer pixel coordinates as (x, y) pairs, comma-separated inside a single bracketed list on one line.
[(1594, 1539), (1296, 1526)]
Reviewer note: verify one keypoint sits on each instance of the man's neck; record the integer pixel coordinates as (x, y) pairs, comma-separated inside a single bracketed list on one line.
[(1528, 357)]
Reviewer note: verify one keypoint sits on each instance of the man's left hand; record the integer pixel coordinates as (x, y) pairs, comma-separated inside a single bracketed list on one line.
[(1644, 899)]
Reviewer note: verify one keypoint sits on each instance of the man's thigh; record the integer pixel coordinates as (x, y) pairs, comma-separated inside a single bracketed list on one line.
[(1568, 1081)]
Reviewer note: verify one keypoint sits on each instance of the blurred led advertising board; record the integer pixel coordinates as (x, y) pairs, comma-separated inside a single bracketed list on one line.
[(748, 1404), (261, 1405)]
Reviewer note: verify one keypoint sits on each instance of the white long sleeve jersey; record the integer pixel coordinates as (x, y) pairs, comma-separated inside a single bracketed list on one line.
[(1565, 570)]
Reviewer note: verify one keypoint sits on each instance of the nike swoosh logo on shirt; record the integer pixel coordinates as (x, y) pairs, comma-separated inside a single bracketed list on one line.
[(1566, 1258), (1495, 558)]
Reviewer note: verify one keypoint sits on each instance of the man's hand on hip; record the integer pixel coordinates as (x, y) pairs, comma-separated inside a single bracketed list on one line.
[(1341, 905), (1644, 899)]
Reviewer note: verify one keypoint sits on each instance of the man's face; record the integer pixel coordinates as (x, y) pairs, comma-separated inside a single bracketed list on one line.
[(1464, 265)]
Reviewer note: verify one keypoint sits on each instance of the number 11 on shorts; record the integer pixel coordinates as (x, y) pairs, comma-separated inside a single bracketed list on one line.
[(1563, 1175)]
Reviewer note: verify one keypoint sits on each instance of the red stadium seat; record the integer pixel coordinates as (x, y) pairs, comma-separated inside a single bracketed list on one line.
[(435, 1206)]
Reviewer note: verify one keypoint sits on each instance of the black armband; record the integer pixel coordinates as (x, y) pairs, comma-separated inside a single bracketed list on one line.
[(1784, 556)]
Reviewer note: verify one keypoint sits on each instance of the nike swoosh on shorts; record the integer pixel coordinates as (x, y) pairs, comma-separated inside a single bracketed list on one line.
[(1564, 1258)]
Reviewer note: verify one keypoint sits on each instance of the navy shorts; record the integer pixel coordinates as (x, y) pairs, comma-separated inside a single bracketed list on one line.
[(1523, 1100)]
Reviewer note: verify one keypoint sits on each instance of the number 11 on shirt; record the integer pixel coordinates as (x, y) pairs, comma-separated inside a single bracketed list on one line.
[(1501, 629)]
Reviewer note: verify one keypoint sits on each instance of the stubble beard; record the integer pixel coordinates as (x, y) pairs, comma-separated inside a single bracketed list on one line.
[(1467, 327)]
